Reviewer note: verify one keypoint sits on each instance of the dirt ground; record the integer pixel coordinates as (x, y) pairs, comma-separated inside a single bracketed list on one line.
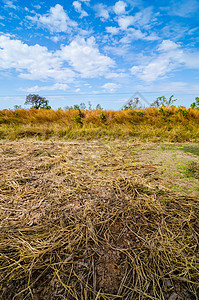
[(98, 220)]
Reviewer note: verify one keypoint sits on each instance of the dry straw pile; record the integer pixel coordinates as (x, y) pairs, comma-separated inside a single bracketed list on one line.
[(80, 221)]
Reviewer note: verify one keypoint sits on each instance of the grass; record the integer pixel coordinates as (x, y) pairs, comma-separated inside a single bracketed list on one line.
[(191, 149), (193, 170), (95, 220), (166, 124)]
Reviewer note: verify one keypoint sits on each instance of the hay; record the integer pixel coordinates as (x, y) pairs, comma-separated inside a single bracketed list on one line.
[(79, 221)]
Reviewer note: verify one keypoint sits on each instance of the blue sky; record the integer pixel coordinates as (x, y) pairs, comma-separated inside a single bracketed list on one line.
[(98, 51)]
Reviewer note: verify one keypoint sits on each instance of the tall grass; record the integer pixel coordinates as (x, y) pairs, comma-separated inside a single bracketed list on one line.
[(172, 124)]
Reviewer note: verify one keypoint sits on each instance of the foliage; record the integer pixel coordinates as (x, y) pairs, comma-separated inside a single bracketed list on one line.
[(89, 105), (102, 117), (196, 103), (37, 101), (78, 120), (98, 106), (163, 101), (132, 104), (82, 106), (140, 113), (17, 106), (183, 111)]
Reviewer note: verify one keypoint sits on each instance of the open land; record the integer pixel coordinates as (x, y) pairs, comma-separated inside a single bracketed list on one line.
[(99, 219), (99, 204)]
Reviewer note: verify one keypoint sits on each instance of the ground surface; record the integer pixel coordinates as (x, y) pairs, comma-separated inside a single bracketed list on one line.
[(98, 220)]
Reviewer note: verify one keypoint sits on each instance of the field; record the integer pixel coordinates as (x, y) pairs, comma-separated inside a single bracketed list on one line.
[(99, 216), (169, 124)]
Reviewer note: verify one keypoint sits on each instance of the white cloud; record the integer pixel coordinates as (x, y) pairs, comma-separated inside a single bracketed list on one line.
[(55, 38), (9, 4), (119, 7), (54, 87), (120, 50), (183, 8), (112, 30), (112, 75), (168, 45), (37, 6), (157, 68), (80, 58), (110, 87), (133, 34), (78, 7), (142, 19), (56, 20), (170, 57), (145, 18), (85, 58), (125, 21), (32, 62), (136, 34), (102, 11), (192, 60)]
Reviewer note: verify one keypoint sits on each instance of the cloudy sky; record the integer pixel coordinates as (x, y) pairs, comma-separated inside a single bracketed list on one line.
[(99, 51)]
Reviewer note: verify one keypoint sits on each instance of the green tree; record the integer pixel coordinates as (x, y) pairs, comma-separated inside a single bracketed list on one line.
[(98, 106), (163, 101), (17, 106), (196, 103), (37, 101)]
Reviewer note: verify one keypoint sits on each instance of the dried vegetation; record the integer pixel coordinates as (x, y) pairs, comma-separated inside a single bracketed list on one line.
[(165, 123), (82, 220)]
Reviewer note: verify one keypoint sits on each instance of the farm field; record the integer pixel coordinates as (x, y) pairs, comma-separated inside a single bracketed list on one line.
[(99, 219)]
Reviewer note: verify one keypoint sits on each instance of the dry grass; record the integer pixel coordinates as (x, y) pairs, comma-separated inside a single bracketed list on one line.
[(168, 124), (81, 220)]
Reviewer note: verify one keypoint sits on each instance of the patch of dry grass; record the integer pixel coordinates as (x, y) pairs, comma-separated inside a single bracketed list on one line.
[(81, 220), (168, 124)]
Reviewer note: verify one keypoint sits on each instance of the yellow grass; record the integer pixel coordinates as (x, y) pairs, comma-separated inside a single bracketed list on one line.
[(169, 124)]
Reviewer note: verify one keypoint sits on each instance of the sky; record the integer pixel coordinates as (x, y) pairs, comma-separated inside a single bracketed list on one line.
[(73, 52)]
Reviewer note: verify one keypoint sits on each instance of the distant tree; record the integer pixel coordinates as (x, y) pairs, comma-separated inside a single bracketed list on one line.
[(163, 101), (82, 106), (76, 106), (196, 103), (98, 106), (37, 101), (89, 105), (132, 104), (17, 106)]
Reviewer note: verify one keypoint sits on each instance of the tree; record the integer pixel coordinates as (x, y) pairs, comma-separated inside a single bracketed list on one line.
[(98, 106), (162, 101), (196, 103), (37, 101), (132, 103), (82, 106), (17, 106)]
